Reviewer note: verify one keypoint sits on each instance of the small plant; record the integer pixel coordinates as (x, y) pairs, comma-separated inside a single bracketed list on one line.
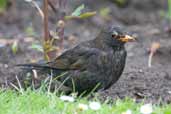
[(49, 47)]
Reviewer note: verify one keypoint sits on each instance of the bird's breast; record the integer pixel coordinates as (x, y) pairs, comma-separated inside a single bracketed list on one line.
[(116, 63)]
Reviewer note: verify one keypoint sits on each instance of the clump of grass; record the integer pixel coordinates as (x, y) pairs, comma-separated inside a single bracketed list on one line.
[(44, 101), (38, 102)]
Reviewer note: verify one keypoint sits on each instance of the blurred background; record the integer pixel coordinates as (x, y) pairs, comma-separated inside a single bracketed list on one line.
[(147, 73)]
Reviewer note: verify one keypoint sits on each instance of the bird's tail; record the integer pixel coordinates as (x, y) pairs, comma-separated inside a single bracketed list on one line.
[(36, 66), (41, 67)]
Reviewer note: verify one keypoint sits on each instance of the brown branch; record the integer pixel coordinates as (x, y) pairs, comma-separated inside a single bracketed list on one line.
[(45, 11)]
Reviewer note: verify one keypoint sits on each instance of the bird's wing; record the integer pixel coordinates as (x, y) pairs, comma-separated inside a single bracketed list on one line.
[(74, 59)]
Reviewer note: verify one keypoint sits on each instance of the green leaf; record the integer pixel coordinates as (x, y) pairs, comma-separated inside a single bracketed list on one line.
[(14, 47), (87, 14), (81, 16), (78, 10), (36, 47)]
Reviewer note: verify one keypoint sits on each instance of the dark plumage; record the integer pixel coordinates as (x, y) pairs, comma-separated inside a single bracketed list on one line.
[(96, 62)]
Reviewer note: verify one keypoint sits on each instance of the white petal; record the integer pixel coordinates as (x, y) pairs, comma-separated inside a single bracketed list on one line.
[(67, 98), (94, 105), (82, 107), (146, 109)]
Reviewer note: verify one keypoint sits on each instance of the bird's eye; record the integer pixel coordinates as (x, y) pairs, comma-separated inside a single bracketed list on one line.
[(114, 34)]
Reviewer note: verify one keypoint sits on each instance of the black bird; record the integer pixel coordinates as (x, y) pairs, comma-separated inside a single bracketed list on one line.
[(94, 64)]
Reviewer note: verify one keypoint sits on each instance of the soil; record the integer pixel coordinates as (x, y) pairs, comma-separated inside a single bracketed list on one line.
[(143, 18)]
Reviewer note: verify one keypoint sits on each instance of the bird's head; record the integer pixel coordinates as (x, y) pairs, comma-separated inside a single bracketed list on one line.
[(117, 36)]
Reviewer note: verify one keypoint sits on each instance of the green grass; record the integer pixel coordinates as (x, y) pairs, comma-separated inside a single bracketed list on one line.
[(37, 102)]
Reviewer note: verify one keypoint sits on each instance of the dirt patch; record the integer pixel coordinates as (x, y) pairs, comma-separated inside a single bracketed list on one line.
[(138, 81)]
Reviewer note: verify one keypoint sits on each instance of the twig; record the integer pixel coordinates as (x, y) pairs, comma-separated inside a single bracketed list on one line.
[(39, 9), (52, 6)]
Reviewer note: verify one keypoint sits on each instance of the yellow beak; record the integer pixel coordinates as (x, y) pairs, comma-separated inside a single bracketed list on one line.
[(127, 38)]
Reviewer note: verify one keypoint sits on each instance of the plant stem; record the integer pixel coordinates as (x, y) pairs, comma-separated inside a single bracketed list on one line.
[(45, 10)]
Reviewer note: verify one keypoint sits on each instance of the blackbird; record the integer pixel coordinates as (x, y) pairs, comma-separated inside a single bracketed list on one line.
[(92, 65)]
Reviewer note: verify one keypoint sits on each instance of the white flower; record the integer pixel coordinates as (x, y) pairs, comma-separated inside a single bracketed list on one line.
[(146, 109), (94, 105), (67, 98), (82, 107), (28, 0), (127, 112)]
